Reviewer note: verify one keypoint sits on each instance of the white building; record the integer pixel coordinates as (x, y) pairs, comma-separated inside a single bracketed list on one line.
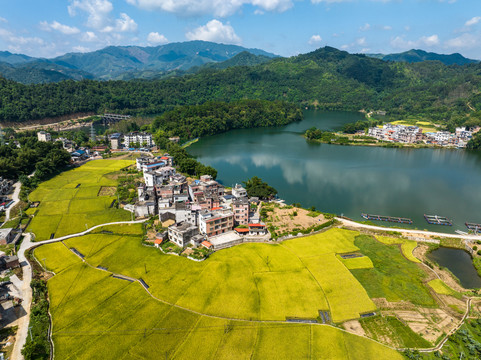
[(183, 234), (143, 139), (44, 136), (238, 191)]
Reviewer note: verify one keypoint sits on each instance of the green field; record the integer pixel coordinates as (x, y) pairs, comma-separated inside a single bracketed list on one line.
[(69, 203), (392, 277), (96, 316), (362, 262)]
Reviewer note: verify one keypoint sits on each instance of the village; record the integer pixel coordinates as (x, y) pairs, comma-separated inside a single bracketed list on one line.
[(199, 213), (410, 134)]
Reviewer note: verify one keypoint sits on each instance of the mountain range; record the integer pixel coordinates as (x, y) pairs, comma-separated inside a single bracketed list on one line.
[(136, 62), (120, 62)]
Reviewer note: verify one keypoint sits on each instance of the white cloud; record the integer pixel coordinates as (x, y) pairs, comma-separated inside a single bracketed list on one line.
[(473, 21), (361, 41), (465, 41), (55, 25), (97, 10), (400, 43), (365, 27), (215, 31), (2, 19), (219, 8), (156, 38), (125, 24), (315, 39), (80, 49), (387, 27), (89, 36)]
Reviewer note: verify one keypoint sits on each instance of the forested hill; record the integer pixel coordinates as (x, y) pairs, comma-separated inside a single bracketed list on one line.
[(326, 78), (413, 55)]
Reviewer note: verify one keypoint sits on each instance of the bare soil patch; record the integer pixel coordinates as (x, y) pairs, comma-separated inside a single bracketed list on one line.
[(288, 219), (354, 326), (107, 191)]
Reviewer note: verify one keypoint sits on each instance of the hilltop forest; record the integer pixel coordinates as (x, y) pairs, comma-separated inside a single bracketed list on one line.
[(326, 78)]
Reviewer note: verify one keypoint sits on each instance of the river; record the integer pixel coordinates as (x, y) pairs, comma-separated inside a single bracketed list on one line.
[(349, 180)]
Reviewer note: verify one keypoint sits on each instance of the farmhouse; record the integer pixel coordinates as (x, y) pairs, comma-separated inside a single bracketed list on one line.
[(6, 236), (183, 234)]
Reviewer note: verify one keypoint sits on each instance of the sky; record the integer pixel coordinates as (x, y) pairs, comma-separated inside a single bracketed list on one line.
[(49, 28)]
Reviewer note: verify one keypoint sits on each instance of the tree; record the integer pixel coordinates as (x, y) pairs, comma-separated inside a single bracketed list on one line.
[(255, 187)]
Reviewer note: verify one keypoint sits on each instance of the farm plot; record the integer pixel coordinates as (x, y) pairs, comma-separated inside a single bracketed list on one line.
[(407, 246), (392, 277), (98, 317), (69, 202)]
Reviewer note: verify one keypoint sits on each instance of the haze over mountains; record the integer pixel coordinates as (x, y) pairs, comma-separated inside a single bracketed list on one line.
[(136, 62), (119, 62)]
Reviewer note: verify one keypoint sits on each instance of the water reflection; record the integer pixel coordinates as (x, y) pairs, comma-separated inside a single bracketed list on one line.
[(347, 179)]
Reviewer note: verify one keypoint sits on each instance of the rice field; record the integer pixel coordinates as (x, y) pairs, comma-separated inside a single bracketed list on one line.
[(96, 316), (70, 202), (440, 287)]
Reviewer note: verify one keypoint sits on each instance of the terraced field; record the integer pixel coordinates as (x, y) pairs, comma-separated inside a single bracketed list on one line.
[(70, 202), (96, 316)]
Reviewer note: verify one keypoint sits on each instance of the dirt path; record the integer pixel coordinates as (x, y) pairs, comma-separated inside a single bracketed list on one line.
[(15, 198), (354, 224)]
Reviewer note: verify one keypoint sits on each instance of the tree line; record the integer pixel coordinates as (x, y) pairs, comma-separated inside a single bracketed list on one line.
[(326, 78)]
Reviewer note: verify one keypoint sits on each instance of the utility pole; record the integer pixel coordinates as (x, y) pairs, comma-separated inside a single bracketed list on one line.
[(30, 332), (2, 139), (45, 266)]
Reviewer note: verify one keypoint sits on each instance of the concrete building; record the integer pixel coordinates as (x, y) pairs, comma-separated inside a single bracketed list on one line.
[(240, 208), (213, 223), (136, 137), (44, 136), (6, 235), (182, 234), (238, 191), (116, 141)]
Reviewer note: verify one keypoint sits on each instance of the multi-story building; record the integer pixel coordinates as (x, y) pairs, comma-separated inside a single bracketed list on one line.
[(182, 234), (240, 208), (116, 141), (213, 223), (143, 139), (44, 136)]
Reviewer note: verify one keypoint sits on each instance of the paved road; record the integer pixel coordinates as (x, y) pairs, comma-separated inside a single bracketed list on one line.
[(15, 198), (26, 290), (409, 231)]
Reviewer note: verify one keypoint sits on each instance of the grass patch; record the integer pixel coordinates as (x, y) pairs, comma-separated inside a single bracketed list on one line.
[(381, 328), (393, 277), (407, 246)]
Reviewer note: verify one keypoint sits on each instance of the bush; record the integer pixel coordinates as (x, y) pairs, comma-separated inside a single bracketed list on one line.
[(475, 248), (479, 252)]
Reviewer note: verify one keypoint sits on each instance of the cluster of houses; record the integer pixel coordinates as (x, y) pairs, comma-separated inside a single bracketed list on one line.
[(201, 212), (414, 134)]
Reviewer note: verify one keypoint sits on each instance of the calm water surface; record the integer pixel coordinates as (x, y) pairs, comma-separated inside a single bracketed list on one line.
[(459, 263), (350, 179)]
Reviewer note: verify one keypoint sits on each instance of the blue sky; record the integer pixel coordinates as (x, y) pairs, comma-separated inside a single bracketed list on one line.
[(49, 28)]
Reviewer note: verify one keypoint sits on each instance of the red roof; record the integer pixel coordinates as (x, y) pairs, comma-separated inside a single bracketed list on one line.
[(217, 208), (241, 230), (206, 244), (158, 241), (256, 225), (164, 158)]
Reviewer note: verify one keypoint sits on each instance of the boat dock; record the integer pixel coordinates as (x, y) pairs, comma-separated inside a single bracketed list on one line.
[(475, 227), (387, 218), (438, 220)]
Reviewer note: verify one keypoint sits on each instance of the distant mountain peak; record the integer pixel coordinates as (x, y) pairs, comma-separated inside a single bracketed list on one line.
[(418, 55)]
